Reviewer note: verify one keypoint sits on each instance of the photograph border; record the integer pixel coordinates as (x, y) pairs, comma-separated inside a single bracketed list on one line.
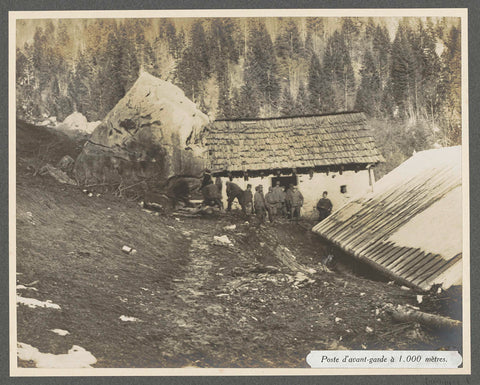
[(461, 12)]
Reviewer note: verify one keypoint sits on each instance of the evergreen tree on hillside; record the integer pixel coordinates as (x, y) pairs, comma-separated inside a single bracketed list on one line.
[(402, 71), (452, 83), (338, 67), (381, 53), (302, 103), (369, 95), (261, 66), (322, 98), (287, 103)]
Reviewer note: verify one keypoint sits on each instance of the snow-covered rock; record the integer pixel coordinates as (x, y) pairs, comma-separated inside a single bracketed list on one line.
[(145, 135)]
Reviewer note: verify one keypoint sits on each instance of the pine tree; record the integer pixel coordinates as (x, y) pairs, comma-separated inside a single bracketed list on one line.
[(338, 67), (322, 97), (369, 95), (261, 67), (402, 72), (302, 104), (287, 103)]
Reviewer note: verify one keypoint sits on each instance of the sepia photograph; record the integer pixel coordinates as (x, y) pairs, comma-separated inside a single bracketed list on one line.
[(206, 190)]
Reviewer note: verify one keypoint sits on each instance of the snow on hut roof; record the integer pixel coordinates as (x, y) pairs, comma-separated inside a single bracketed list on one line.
[(291, 142), (410, 227)]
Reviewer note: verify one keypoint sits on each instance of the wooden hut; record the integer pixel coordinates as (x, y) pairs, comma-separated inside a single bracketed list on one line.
[(333, 153), (410, 226)]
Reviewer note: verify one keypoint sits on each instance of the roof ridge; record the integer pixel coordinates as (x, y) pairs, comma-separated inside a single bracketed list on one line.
[(290, 117)]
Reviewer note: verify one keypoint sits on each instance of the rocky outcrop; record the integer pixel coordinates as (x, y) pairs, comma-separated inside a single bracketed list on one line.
[(143, 139)]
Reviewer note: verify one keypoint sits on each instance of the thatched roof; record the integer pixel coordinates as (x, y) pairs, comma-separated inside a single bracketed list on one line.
[(410, 227), (302, 142)]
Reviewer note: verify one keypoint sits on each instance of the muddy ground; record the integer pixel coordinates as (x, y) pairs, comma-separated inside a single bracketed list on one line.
[(196, 303)]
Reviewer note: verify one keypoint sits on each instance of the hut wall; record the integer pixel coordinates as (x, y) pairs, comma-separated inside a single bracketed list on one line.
[(312, 188)]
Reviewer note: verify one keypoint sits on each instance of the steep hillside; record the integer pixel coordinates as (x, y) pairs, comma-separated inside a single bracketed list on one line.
[(181, 299)]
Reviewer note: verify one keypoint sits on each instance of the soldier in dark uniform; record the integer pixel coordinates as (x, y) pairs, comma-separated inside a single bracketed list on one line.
[(324, 207)]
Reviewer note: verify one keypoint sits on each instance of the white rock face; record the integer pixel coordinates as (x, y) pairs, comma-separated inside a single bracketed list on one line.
[(144, 134)]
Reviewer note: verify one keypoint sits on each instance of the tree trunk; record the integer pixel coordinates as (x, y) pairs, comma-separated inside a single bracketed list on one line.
[(405, 314)]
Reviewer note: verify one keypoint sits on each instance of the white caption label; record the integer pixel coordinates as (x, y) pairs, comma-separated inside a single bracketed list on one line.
[(379, 359)]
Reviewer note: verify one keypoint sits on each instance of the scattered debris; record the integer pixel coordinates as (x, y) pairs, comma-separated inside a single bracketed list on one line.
[(301, 280), (128, 319), (404, 288), (419, 298), (231, 227), (59, 175), (362, 294), (77, 357), (338, 319), (222, 241), (33, 303), (60, 332), (66, 164), (368, 329), (90, 195), (391, 282), (128, 250)]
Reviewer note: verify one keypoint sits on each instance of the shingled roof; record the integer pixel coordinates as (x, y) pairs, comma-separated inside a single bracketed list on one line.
[(410, 227), (293, 142)]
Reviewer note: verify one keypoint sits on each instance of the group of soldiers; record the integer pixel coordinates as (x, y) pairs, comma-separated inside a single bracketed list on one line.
[(278, 202)]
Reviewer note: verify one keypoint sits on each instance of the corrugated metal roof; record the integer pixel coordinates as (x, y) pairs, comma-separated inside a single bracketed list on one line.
[(304, 141), (410, 227)]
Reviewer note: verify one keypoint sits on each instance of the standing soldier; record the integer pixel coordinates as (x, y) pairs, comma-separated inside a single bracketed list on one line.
[(218, 183), (279, 198), (248, 198), (324, 207), (297, 203), (288, 200), (234, 191), (259, 202), (270, 204)]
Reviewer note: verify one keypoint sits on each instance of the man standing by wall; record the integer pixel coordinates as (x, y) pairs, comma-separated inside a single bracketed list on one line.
[(279, 198), (248, 199), (259, 202), (270, 203), (288, 200), (297, 203), (324, 207)]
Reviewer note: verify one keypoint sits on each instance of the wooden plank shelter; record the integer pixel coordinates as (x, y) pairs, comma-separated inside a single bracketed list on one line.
[(410, 227)]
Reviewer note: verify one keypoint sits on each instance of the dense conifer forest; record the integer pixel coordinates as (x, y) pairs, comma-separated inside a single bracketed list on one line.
[(404, 73)]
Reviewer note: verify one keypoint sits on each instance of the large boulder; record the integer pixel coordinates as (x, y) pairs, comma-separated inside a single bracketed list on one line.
[(143, 139)]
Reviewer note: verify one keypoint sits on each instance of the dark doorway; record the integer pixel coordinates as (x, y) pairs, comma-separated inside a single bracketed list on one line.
[(284, 180)]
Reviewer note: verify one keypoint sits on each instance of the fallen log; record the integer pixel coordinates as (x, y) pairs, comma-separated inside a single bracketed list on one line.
[(406, 314)]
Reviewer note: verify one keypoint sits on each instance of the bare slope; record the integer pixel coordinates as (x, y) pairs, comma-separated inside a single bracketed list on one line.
[(196, 303)]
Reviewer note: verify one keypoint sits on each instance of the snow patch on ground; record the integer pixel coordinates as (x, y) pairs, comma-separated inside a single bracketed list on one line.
[(128, 319), (77, 357), (60, 332), (32, 302), (23, 287)]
